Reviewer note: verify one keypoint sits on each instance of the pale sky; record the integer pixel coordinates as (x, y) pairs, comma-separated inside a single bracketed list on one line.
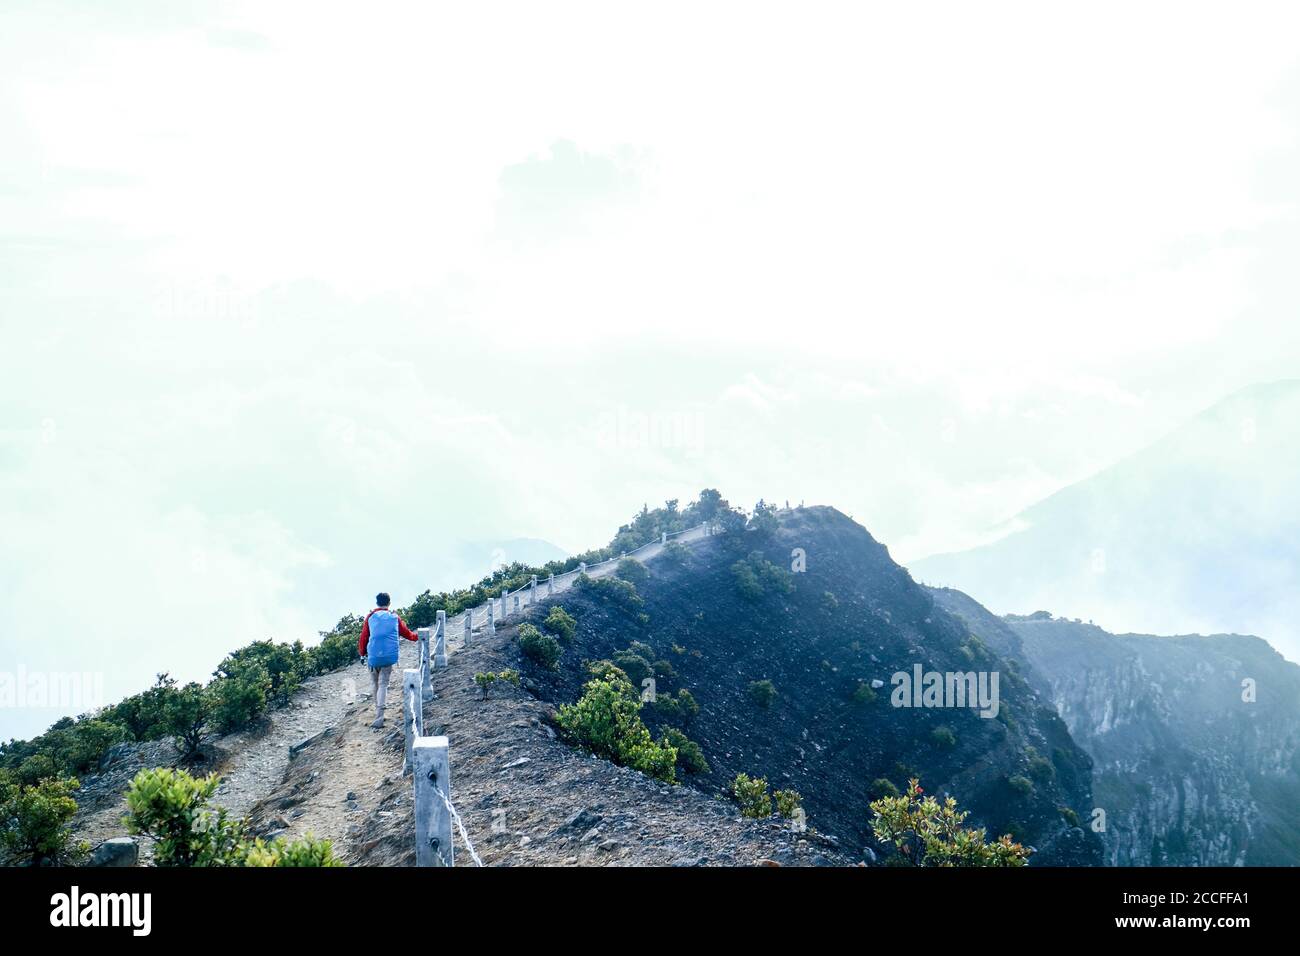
[(296, 296)]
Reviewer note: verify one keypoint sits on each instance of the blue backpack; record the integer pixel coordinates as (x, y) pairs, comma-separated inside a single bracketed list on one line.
[(381, 649)]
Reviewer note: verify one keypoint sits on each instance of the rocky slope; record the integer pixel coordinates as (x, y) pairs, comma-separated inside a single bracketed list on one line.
[(1187, 771), (853, 617)]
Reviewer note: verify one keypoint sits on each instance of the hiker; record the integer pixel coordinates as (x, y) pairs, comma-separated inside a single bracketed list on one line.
[(379, 643)]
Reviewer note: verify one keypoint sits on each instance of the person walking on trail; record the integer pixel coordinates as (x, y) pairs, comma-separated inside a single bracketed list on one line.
[(378, 645)]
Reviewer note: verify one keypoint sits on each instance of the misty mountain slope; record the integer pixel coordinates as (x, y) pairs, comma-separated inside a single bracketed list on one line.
[(817, 650), (1200, 532), (1187, 772)]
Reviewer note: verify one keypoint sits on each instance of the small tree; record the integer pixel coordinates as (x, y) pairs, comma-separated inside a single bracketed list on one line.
[(929, 833), (187, 716), (34, 822)]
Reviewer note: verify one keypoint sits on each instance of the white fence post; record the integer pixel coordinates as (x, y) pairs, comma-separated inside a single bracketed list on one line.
[(440, 642), (582, 567), (550, 584), (426, 666), (663, 537), (412, 713), (532, 590), (469, 628), (516, 602), (491, 621), (433, 843)]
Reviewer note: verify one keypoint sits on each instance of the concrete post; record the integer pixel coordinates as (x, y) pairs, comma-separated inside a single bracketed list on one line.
[(532, 590), (426, 665), (440, 642), (491, 621), (469, 630), (433, 843), (516, 602), (663, 537), (582, 567), (412, 713), (550, 584)]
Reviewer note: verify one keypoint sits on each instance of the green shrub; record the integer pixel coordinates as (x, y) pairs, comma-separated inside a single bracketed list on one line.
[(239, 698), (751, 793), (943, 737), (787, 802), (613, 592), (1021, 785), (606, 670), (1041, 769), (926, 832), (664, 670), (882, 787), (34, 822), (541, 649), (632, 571), (755, 576), (143, 715), (680, 710), (172, 807), (1069, 816), (675, 554), (863, 693), (560, 623), (75, 746), (300, 853), (606, 722), (485, 679), (338, 647), (762, 692), (634, 665), (188, 718), (36, 768), (285, 666), (689, 755)]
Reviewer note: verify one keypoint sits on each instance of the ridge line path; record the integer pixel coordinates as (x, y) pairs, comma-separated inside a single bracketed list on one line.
[(254, 762)]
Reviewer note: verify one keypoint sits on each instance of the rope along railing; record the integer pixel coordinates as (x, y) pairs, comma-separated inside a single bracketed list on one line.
[(426, 758)]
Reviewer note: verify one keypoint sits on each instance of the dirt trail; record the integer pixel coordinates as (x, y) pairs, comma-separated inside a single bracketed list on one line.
[(355, 772)]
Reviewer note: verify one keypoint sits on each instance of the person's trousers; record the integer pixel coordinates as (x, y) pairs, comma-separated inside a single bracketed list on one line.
[(379, 686)]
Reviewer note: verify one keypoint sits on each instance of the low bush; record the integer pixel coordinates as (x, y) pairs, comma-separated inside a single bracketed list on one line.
[(787, 802), (541, 649), (882, 787), (943, 737), (606, 722), (926, 832), (762, 693), (172, 807), (690, 758), (751, 793), (755, 577), (560, 623), (1021, 785), (632, 571), (34, 822)]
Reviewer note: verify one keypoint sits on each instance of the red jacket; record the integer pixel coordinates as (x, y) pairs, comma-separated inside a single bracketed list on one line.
[(402, 629)]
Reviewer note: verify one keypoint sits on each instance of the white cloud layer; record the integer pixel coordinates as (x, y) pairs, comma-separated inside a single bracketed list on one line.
[(292, 293)]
